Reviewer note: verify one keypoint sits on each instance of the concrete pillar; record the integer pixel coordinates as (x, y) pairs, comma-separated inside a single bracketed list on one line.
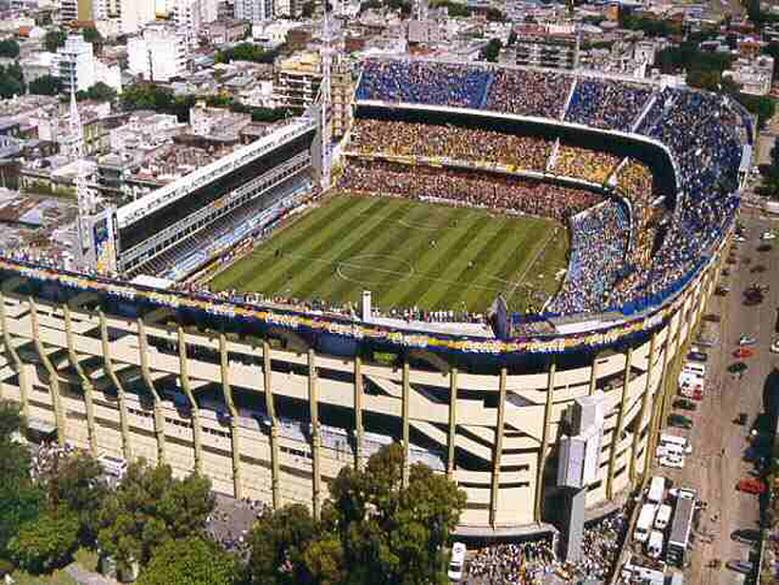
[(124, 423), (654, 423), (18, 365), (159, 419), (405, 416), (235, 435), (452, 438), (51, 372), (643, 412), (542, 451), (593, 375), (316, 440), (186, 387), (498, 450), (619, 427), (86, 383), (270, 407), (358, 424)]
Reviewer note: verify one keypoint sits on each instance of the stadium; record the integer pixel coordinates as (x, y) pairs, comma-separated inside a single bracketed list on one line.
[(499, 246)]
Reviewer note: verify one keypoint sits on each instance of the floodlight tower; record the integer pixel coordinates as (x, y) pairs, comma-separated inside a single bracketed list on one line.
[(84, 199), (325, 98)]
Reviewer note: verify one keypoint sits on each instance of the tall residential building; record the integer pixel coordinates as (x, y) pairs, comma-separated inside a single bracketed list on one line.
[(76, 64), (133, 14), (297, 86), (157, 54), (190, 16), (254, 10), (553, 46)]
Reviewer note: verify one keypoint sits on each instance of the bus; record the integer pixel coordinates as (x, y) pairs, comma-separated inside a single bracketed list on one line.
[(681, 527)]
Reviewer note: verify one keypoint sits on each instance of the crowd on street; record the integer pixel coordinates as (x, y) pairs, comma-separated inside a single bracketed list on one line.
[(535, 562)]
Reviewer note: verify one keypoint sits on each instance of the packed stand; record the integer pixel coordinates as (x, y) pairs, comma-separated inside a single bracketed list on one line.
[(583, 163), (607, 104), (473, 189), (599, 243), (702, 131), (455, 142), (424, 83), (635, 182), (530, 563), (529, 93)]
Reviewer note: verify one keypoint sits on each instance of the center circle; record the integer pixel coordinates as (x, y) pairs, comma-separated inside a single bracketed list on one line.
[(374, 269)]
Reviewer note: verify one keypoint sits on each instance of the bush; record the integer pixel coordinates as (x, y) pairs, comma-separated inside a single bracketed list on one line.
[(46, 542)]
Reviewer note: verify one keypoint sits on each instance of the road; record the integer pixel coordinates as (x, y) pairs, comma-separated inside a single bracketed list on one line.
[(718, 442)]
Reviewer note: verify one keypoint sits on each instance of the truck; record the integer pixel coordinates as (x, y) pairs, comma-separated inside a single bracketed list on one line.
[(646, 518), (663, 517), (654, 547), (681, 527), (656, 490)]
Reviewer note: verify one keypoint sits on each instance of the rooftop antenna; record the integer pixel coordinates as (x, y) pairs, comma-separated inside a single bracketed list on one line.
[(325, 98)]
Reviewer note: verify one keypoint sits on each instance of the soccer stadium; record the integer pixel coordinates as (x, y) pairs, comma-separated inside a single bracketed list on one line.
[(500, 249)]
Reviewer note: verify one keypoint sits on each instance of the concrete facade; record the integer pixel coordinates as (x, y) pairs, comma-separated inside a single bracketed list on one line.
[(275, 420)]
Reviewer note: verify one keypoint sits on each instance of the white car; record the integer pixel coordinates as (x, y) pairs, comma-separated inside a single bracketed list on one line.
[(671, 461), (768, 236), (740, 239), (457, 562), (775, 346)]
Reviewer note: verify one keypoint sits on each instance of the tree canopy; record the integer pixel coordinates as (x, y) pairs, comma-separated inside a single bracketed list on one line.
[(149, 508), (11, 80), (46, 541), (246, 52), (190, 561), (54, 39), (9, 48), (45, 85), (372, 529)]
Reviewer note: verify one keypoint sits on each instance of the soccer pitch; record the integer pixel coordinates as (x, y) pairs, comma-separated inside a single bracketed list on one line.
[(408, 254)]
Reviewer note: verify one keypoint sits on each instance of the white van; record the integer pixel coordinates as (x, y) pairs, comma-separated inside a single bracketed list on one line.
[(656, 490), (113, 466), (667, 440), (696, 368), (646, 518), (663, 518), (457, 562), (654, 548)]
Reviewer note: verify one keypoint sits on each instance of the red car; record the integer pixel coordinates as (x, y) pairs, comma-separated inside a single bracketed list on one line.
[(743, 353), (751, 485)]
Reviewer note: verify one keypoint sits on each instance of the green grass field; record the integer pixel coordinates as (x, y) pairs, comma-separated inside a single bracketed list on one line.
[(407, 253)]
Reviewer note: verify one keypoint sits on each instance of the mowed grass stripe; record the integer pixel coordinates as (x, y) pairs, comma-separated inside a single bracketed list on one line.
[(392, 244), (433, 263), (430, 292), (325, 280), (249, 272), (461, 275), (316, 244), (509, 242)]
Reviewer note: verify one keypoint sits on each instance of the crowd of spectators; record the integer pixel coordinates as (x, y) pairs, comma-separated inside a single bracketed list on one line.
[(485, 147), (474, 189), (599, 243), (583, 163), (607, 104), (635, 182), (534, 562), (529, 93)]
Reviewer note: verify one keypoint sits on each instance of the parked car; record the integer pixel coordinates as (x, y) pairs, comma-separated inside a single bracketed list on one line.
[(747, 340), (775, 346), (712, 317), (722, 291), (751, 485), (746, 535), (744, 567), (457, 562), (671, 461), (684, 404), (679, 421), (741, 419), (743, 353)]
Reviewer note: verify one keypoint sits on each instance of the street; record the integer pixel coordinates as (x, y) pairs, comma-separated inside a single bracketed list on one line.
[(717, 464)]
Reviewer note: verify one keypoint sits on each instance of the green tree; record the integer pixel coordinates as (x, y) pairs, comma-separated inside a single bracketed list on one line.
[(54, 39), (11, 421), (190, 561), (9, 48), (149, 508), (277, 542), (45, 542), (11, 80), (77, 483), (492, 50), (246, 52), (762, 106), (45, 85), (101, 92)]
